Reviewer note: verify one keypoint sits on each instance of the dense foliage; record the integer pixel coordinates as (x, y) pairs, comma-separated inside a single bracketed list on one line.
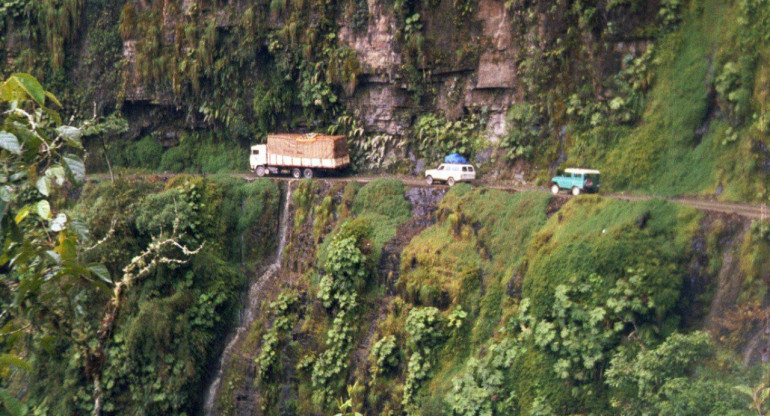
[(667, 97), (499, 309), (173, 322), (506, 304)]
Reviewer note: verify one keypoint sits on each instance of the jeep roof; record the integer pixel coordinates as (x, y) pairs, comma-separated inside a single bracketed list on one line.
[(582, 171)]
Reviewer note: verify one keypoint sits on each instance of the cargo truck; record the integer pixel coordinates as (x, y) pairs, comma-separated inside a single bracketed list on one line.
[(302, 155)]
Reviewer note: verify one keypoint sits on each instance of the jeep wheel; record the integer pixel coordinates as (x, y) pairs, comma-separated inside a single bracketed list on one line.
[(261, 171), (296, 173), (429, 180), (450, 181), (575, 191), (555, 189), (307, 173)]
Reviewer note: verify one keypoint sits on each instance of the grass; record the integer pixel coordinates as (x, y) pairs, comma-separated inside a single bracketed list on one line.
[(487, 242), (469, 258), (194, 154), (380, 204), (592, 235), (604, 236), (664, 155)]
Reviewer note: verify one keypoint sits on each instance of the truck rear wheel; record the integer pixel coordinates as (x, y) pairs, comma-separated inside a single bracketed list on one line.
[(429, 180), (307, 173), (450, 181), (575, 191), (260, 171)]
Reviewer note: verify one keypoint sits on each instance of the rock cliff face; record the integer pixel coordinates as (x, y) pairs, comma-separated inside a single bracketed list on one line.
[(470, 61)]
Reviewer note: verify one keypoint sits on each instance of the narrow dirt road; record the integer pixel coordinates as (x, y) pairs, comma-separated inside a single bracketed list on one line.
[(760, 212), (745, 210)]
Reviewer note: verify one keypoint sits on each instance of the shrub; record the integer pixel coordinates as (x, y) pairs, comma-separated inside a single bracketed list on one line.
[(384, 355)]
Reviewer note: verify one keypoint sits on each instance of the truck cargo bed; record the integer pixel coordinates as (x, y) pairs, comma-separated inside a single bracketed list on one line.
[(307, 150)]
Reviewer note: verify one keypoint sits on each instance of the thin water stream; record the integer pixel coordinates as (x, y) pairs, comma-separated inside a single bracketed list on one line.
[(246, 316)]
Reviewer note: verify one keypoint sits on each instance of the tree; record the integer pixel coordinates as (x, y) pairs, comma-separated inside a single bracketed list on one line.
[(41, 265), (39, 262)]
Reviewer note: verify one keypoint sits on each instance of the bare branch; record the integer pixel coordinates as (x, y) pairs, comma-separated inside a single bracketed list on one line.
[(139, 267), (106, 237)]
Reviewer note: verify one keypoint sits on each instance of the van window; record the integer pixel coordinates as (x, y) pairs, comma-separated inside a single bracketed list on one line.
[(254, 152), (470, 168)]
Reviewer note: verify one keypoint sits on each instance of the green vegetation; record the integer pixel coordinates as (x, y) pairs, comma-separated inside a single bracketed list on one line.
[(682, 145), (437, 137), (173, 322), (117, 296), (667, 97), (499, 309)]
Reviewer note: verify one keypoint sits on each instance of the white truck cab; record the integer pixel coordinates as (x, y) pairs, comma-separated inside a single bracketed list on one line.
[(258, 156), (451, 173)]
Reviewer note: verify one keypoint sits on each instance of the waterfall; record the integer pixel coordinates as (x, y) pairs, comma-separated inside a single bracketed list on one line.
[(246, 316)]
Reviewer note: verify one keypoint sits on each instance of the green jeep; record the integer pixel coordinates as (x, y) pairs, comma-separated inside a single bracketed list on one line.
[(577, 181)]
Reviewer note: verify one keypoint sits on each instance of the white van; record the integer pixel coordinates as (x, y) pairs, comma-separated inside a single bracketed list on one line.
[(450, 173)]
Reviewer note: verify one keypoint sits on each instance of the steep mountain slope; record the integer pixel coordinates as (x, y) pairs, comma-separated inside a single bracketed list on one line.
[(509, 304), (667, 97), (409, 301)]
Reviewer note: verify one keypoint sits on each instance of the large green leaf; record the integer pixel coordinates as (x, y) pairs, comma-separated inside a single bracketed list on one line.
[(22, 214), (28, 139), (53, 99), (43, 184), (58, 223), (6, 193), (44, 209), (71, 134), (10, 143), (101, 271), (76, 167), (20, 86)]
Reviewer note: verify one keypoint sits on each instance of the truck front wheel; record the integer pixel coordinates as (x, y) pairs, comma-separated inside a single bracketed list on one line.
[(260, 171), (307, 173), (429, 179), (555, 189), (296, 173)]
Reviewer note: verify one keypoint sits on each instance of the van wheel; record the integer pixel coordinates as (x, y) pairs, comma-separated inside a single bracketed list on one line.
[(307, 173), (429, 180), (261, 171), (450, 181), (296, 173), (555, 189), (575, 191)]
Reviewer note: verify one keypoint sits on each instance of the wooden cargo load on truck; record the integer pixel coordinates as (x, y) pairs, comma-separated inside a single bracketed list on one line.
[(308, 150)]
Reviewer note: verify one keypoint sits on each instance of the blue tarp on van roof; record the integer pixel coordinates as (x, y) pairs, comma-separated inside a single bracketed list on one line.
[(455, 158)]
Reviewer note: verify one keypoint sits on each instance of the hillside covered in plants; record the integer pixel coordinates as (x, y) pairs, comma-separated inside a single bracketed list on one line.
[(142, 272), (667, 97), (490, 303)]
